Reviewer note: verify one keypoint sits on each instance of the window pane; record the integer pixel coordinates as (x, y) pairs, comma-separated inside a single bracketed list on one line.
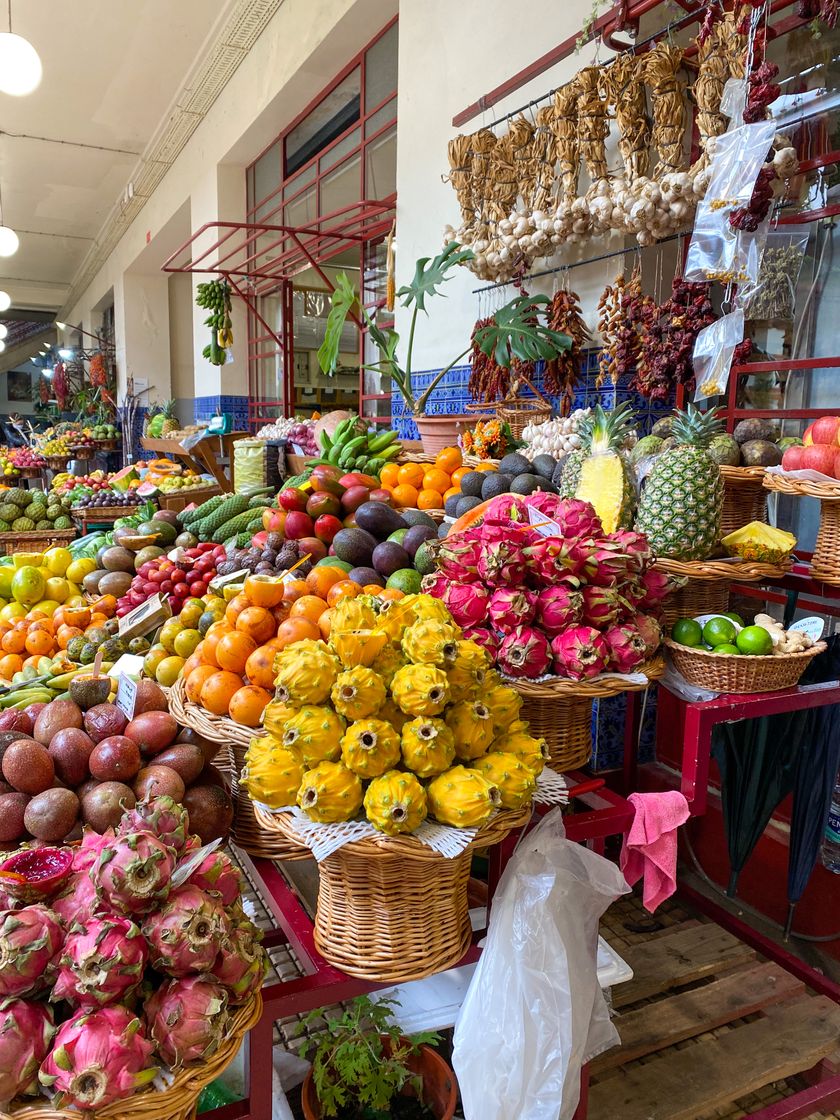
[(381, 166), (267, 176), (337, 112), (340, 150), (341, 188), (381, 69), (381, 117), (302, 211)]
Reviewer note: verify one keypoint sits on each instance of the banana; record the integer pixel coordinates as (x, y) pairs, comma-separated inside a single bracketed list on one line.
[(381, 441), (355, 445), (390, 452), (324, 441)]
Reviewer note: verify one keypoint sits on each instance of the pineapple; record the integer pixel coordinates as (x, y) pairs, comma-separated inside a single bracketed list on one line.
[(682, 501), (170, 420), (604, 477)]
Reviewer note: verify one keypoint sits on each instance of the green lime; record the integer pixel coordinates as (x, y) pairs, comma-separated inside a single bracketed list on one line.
[(727, 647), (755, 640), (719, 631), (734, 616), (687, 632), (406, 580)]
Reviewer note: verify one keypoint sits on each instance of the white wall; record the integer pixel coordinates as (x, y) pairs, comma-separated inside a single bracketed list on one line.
[(181, 345)]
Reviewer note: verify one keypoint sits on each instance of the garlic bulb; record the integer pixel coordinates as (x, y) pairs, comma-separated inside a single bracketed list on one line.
[(553, 437)]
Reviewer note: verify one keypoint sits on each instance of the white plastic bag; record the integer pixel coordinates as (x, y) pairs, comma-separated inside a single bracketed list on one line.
[(714, 348), (534, 1013)]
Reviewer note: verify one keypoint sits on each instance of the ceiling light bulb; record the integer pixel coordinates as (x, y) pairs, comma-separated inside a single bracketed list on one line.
[(5, 301), (4, 330), (9, 241), (20, 66), (61, 326), (65, 353), (2, 346), (47, 371)]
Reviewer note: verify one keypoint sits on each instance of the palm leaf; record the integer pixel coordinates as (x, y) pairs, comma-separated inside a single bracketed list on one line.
[(430, 273), (516, 333), (342, 301)]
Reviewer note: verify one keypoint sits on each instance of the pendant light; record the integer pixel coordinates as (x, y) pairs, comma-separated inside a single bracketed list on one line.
[(5, 301), (9, 241), (20, 66)]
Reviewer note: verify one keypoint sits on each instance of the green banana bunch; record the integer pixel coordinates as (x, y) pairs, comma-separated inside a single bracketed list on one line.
[(350, 450), (214, 296)]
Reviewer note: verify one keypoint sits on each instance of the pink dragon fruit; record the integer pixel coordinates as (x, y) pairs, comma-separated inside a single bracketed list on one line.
[(504, 509), (580, 653), (544, 502), (187, 1019), (185, 935), (604, 564), (510, 607), (77, 902), (467, 603), (484, 637), (459, 554), (102, 962), (654, 587), (601, 606), (7, 902), (162, 816), (525, 652), (241, 965), (29, 943), (553, 559), (575, 518), (133, 873), (650, 631), (26, 1030), (90, 847), (502, 563), (627, 647), (559, 607), (634, 545), (434, 584), (98, 1057), (218, 873)]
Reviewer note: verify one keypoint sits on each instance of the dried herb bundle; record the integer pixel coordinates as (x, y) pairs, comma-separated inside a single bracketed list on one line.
[(660, 69), (566, 140), (593, 124)]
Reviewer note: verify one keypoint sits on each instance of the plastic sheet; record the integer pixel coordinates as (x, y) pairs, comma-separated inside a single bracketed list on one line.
[(714, 348), (534, 1012)]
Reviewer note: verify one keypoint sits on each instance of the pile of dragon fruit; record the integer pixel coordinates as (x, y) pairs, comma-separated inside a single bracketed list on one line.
[(122, 955), (574, 604)]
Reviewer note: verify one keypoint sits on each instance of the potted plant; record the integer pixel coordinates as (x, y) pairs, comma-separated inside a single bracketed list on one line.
[(518, 332), (363, 1068)]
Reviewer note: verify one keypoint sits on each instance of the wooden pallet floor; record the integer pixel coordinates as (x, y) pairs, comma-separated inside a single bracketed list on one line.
[(709, 1030)]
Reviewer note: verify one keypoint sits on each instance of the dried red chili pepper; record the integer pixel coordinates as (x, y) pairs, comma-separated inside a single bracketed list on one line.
[(668, 334), (488, 380), (563, 372)]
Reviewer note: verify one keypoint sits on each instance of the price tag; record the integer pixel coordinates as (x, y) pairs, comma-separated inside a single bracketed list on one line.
[(126, 696), (704, 618), (544, 525), (813, 626)]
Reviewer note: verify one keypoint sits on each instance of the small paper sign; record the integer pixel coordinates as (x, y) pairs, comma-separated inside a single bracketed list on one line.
[(145, 617), (543, 525), (186, 868), (704, 618), (129, 664), (127, 696), (813, 626)]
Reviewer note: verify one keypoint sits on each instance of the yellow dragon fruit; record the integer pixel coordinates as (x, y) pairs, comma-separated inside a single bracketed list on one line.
[(388, 661), (352, 614), (275, 716), (393, 715), (396, 803), (425, 607), (316, 732), (262, 746), (305, 672), (428, 746), (515, 780), (431, 642), (358, 647), (471, 724), (530, 751), (420, 690), (330, 792), (463, 798), (468, 672), (504, 704), (358, 693), (370, 747), (394, 619), (273, 778)]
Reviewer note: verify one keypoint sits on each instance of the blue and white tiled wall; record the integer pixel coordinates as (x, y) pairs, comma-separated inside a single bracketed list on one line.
[(206, 407)]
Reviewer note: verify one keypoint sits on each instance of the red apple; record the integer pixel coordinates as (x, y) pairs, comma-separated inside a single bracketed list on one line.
[(819, 457), (274, 520), (825, 430), (326, 527), (837, 464), (807, 435), (380, 496), (792, 458), (354, 497), (299, 525), (292, 499), (321, 504), (316, 549)]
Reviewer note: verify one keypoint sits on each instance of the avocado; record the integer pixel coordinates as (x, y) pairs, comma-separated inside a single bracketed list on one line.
[(424, 561), (418, 517), (515, 464), (465, 504), (451, 504), (378, 519), (528, 483), (471, 484), (760, 453), (443, 531), (390, 557), (416, 536), (544, 465), (88, 691), (355, 546), (495, 484), (118, 559)]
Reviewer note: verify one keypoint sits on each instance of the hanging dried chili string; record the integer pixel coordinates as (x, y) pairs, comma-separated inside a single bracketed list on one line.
[(488, 380), (563, 372), (669, 332)]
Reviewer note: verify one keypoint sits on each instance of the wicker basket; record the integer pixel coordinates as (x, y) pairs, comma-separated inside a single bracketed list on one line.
[(560, 711), (83, 451), (58, 462), (392, 910), (39, 540), (825, 563), (30, 472), (696, 597), (519, 412), (744, 498), (725, 672), (706, 587), (179, 1100), (107, 444)]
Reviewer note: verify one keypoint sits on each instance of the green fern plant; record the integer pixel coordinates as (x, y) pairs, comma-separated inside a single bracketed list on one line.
[(359, 1063)]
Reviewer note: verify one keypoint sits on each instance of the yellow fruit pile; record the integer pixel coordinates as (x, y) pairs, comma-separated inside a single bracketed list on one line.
[(398, 716)]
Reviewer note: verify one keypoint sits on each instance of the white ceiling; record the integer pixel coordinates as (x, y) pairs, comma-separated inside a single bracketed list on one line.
[(112, 69)]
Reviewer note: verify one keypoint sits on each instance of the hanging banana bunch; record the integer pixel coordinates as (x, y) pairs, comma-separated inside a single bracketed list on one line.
[(214, 296)]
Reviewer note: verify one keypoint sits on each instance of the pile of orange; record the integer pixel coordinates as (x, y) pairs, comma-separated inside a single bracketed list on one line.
[(426, 486), (24, 638), (231, 672)]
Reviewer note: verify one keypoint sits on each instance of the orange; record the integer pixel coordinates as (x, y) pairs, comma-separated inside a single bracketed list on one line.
[(372, 589), (411, 474), (192, 662), (308, 606), (259, 668), (458, 475), (35, 615), (13, 642), (96, 620), (105, 604), (58, 618), (344, 589), (194, 681), (214, 635), (392, 593), (263, 591), (235, 607), (322, 577), (405, 495), (436, 480), (452, 492), (9, 665), (296, 629), (429, 499), (65, 633), (257, 623), (40, 642), (449, 459), (218, 690), (74, 616), (248, 704), (43, 624), (484, 467), (389, 475), (324, 623), (234, 650), (294, 588)]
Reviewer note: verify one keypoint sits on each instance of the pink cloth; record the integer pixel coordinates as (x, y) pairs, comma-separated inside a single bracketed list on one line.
[(650, 847)]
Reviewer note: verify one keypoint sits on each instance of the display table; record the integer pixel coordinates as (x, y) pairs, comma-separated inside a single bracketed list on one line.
[(203, 457)]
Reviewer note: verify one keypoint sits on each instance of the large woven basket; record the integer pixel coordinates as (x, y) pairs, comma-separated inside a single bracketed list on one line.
[(744, 498), (390, 909), (518, 411), (37, 541), (725, 672), (560, 711), (179, 1100), (825, 563), (706, 586)]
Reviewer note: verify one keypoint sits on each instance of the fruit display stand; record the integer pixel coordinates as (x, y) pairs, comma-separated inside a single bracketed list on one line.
[(39, 540), (721, 672), (744, 497), (560, 710), (86, 517), (179, 1099), (825, 564), (706, 584), (202, 457)]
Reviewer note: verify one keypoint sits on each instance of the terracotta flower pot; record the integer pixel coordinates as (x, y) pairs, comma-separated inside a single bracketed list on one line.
[(437, 432), (439, 1086)]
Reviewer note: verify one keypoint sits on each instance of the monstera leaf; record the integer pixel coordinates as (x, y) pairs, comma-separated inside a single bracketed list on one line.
[(343, 299), (430, 273), (516, 333)]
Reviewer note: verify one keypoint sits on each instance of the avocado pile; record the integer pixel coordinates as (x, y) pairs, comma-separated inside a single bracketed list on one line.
[(385, 547), (514, 475), (754, 443)]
